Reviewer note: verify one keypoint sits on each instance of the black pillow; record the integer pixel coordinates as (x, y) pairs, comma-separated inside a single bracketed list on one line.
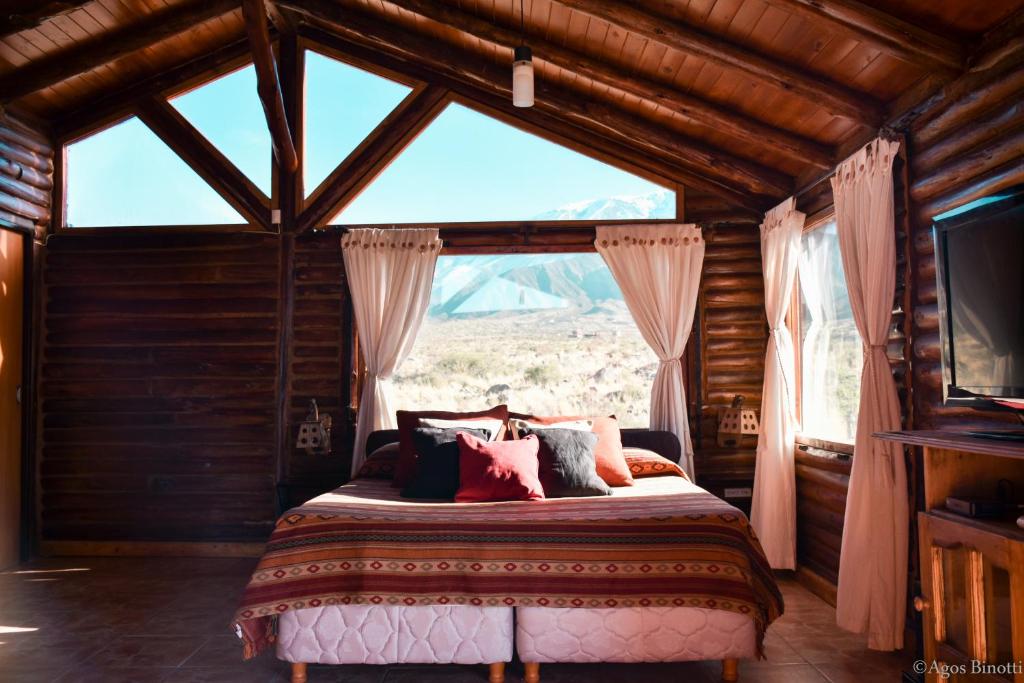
[(437, 461), (567, 463)]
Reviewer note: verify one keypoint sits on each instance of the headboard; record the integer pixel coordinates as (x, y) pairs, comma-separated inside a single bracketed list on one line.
[(663, 443)]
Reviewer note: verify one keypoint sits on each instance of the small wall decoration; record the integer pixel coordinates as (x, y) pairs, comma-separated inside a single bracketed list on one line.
[(315, 432), (735, 422)]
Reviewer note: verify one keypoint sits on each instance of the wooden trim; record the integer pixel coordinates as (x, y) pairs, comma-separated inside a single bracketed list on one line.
[(373, 155), (901, 39), (675, 35), (747, 184), (30, 271), (108, 46), (738, 125), (74, 124), (206, 160), (817, 584), (268, 84), (149, 549), (109, 230)]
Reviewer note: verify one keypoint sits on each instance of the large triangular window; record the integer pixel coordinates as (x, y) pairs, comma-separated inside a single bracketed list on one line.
[(126, 175), (467, 166), (227, 111), (343, 105)]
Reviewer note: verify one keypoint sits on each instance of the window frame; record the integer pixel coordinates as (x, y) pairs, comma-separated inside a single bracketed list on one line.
[(689, 360), (814, 222)]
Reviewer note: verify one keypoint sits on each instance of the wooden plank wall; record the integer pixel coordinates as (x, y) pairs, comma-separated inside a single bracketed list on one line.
[(320, 364), (971, 144), (733, 338), (158, 384)]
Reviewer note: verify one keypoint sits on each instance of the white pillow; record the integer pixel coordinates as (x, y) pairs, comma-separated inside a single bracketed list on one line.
[(492, 426), (519, 426)]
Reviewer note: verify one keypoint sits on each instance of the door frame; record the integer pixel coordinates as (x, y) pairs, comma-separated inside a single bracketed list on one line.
[(27, 522)]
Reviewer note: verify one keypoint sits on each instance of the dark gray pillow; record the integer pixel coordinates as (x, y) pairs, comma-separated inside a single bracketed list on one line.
[(437, 461), (567, 463)]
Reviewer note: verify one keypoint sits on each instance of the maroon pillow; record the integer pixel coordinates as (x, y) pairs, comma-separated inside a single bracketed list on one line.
[(498, 470), (408, 420)]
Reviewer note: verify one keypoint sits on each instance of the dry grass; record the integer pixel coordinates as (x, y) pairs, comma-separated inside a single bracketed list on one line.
[(564, 362)]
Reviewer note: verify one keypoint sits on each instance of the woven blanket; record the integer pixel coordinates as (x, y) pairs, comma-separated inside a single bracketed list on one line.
[(661, 542)]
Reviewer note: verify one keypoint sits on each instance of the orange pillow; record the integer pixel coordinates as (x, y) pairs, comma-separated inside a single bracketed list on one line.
[(408, 420), (611, 463)]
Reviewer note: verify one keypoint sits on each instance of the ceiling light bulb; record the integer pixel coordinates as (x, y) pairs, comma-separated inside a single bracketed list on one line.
[(522, 77)]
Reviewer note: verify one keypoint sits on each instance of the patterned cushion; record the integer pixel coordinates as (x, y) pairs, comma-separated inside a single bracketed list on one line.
[(381, 463), (645, 463)]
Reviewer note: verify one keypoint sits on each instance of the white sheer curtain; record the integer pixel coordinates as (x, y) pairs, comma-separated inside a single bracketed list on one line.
[(873, 561), (773, 509), (658, 269), (389, 274), (820, 313)]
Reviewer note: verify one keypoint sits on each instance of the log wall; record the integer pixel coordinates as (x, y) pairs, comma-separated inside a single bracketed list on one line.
[(158, 386), (733, 334), (969, 145), (26, 176)]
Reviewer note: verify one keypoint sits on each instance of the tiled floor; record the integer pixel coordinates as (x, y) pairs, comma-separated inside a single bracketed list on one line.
[(150, 620)]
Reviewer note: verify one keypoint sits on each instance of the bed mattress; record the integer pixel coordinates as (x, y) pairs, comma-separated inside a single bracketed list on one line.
[(388, 634)]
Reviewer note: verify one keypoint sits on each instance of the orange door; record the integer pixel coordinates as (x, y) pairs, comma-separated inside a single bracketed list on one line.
[(11, 303)]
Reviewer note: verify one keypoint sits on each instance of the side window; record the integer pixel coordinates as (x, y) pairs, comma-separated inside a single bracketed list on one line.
[(829, 350)]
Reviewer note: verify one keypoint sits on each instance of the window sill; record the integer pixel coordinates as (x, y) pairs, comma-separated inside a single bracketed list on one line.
[(824, 447)]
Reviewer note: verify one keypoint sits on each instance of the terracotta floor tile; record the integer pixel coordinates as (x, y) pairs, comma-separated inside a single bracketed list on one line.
[(157, 620)]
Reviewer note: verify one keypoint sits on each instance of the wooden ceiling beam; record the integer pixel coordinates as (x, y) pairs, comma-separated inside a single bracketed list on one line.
[(836, 98), (206, 160), (705, 163), (894, 36), (109, 46), (362, 166), (268, 84), (29, 15), (743, 128)]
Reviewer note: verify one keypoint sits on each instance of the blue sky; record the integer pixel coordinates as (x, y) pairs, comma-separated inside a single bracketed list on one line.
[(464, 167)]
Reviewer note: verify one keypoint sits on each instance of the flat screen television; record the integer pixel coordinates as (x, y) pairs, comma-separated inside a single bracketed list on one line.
[(979, 252)]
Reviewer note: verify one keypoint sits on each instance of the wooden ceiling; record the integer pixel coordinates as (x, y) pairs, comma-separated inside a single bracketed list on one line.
[(757, 97)]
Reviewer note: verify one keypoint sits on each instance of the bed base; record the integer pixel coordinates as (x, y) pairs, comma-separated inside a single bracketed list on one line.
[(495, 675), (730, 671)]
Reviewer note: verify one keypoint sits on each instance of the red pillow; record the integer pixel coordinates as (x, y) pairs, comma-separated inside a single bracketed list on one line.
[(498, 470), (611, 463), (408, 420)]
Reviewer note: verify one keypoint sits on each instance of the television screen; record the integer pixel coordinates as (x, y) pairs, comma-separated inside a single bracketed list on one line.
[(981, 254)]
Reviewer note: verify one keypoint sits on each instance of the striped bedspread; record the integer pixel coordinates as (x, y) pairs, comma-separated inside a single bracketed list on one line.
[(662, 542)]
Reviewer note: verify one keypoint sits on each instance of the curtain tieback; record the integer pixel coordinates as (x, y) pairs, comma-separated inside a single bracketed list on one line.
[(883, 347)]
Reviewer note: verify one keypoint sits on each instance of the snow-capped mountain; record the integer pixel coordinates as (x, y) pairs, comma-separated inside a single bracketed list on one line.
[(657, 204)]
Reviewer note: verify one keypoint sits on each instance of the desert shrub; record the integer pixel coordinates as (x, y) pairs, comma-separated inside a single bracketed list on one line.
[(543, 375)]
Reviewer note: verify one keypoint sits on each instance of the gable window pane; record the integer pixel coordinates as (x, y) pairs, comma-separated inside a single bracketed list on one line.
[(467, 166), (545, 333), (830, 347)]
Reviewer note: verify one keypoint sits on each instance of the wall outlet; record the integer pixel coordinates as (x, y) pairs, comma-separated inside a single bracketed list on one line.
[(738, 493), (275, 216)]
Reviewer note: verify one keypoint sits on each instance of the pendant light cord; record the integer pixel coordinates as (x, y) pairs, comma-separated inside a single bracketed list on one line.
[(522, 22)]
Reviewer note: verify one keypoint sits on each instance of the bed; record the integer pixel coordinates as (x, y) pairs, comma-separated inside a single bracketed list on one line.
[(659, 571)]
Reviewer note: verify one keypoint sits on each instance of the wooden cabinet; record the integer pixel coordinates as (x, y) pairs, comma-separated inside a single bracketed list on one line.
[(11, 301), (972, 570)]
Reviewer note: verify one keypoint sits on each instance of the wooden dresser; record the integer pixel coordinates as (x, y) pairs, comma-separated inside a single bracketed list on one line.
[(972, 570)]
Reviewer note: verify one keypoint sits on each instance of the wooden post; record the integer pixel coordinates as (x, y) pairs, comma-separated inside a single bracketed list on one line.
[(532, 672), (268, 85), (497, 673), (730, 670), (298, 672)]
